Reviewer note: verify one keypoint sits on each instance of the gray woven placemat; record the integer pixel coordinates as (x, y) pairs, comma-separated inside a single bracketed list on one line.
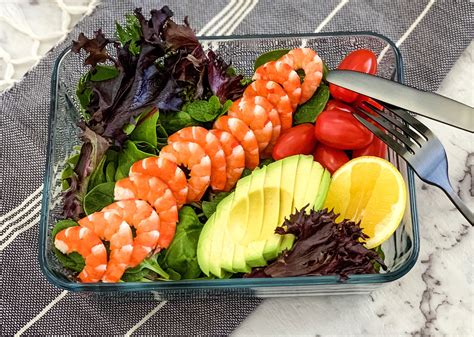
[(432, 35)]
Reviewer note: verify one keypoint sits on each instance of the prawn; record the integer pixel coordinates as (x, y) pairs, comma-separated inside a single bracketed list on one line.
[(156, 193), (167, 171), (234, 154), (244, 136), (211, 146), (256, 117), (283, 74), (276, 123), (194, 157), (275, 94), (85, 242), (111, 227), (308, 60), (139, 214)]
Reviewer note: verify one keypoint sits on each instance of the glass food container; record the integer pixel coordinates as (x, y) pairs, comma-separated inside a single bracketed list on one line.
[(401, 250)]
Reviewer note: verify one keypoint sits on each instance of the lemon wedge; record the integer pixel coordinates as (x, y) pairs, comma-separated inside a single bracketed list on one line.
[(370, 190)]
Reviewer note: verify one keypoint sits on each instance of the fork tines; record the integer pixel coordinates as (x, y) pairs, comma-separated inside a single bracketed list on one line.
[(410, 139)]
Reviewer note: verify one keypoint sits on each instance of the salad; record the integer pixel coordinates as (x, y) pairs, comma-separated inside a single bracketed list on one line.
[(189, 170)]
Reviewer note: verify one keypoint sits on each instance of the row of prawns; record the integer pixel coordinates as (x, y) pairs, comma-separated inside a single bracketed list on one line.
[(149, 198)]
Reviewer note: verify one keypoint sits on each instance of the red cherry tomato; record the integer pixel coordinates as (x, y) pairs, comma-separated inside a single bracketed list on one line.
[(360, 104), (341, 130), (377, 148), (329, 157), (361, 60), (296, 140), (333, 104)]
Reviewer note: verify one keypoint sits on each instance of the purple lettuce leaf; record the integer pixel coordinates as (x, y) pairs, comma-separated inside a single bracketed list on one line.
[(323, 247), (93, 149), (180, 36), (152, 29), (96, 48), (224, 85)]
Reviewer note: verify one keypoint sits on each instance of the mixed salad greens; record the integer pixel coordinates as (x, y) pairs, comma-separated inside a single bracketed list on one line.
[(153, 80)]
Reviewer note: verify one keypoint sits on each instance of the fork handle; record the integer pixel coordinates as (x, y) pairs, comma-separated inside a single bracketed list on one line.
[(460, 205)]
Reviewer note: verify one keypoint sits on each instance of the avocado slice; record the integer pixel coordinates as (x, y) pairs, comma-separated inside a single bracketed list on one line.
[(218, 245), (301, 174), (254, 250), (204, 245), (227, 254), (313, 184), (323, 190), (305, 165), (240, 234), (239, 265), (272, 198), (238, 223)]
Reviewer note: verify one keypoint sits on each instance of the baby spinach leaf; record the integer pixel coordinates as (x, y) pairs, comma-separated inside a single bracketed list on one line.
[(146, 130), (162, 142), (139, 276), (128, 128), (174, 121), (181, 255), (73, 261), (209, 207), (145, 147), (98, 175), (160, 131), (174, 275), (111, 155), (309, 111), (143, 271), (99, 197), (272, 55), (110, 171), (103, 72), (62, 224), (129, 154)]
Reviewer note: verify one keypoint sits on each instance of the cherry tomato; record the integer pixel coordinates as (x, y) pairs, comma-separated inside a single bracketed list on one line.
[(360, 104), (296, 140), (361, 60), (334, 104), (329, 157), (341, 130), (377, 148)]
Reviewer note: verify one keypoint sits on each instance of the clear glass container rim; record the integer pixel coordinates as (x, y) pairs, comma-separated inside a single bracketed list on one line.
[(244, 283)]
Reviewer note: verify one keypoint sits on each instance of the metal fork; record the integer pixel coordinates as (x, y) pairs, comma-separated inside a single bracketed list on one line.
[(417, 144)]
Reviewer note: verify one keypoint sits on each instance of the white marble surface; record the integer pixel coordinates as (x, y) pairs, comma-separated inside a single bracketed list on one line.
[(434, 299)]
